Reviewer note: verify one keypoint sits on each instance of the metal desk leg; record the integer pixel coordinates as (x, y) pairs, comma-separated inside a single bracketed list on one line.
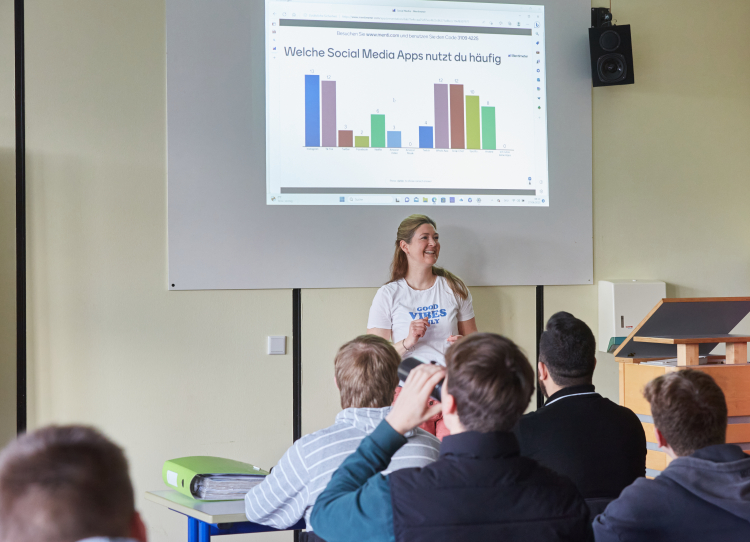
[(204, 532), (192, 529)]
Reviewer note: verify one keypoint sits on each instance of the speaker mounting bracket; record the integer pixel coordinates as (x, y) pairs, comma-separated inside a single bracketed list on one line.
[(601, 17)]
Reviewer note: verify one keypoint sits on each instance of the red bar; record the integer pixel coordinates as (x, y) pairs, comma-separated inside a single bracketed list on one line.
[(458, 140), (346, 138)]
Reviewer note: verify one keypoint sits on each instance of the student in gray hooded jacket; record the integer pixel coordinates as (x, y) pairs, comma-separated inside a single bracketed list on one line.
[(704, 493), (366, 374)]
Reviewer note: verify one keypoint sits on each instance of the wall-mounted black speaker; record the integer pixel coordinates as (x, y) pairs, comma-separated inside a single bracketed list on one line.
[(611, 56)]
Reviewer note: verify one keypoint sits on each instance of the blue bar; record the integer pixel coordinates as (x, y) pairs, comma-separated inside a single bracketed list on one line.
[(394, 139), (312, 111), (425, 137)]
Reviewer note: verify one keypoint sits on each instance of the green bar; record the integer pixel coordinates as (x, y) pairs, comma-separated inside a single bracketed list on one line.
[(488, 128), (377, 130), (472, 122), (361, 141)]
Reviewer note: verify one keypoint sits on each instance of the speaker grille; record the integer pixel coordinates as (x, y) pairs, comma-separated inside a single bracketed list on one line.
[(609, 41), (612, 68)]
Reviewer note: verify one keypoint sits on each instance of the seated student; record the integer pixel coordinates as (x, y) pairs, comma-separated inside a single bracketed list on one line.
[(366, 373), (480, 488), (65, 484), (578, 433), (704, 493)]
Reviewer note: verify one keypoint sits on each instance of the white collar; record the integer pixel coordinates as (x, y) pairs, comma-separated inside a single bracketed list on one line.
[(571, 395)]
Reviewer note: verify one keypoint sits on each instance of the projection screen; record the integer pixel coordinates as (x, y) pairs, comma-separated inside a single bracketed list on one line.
[(301, 133)]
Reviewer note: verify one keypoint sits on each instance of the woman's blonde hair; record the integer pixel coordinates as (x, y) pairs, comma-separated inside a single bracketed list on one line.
[(400, 265)]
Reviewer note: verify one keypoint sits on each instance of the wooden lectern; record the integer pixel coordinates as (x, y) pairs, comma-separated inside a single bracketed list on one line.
[(681, 333)]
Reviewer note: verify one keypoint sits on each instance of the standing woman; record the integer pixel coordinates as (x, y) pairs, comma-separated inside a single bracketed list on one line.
[(423, 309)]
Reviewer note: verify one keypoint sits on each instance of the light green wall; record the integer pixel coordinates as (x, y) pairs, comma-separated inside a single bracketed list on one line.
[(165, 374), (7, 228), (332, 317), (179, 373)]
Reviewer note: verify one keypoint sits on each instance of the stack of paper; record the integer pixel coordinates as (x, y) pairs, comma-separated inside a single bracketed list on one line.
[(221, 487), (672, 362), (211, 478)]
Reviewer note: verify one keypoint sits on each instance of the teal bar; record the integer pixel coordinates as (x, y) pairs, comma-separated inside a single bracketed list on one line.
[(377, 130), (489, 136)]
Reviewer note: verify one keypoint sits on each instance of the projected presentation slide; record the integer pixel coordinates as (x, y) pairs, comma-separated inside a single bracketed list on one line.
[(405, 103)]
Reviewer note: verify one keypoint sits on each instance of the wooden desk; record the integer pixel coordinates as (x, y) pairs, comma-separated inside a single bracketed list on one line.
[(211, 518)]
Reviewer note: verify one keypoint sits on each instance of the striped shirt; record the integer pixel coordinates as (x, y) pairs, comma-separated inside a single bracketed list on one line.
[(289, 492)]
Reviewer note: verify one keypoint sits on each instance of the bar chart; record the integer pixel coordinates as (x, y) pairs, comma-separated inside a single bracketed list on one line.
[(459, 122), (397, 109)]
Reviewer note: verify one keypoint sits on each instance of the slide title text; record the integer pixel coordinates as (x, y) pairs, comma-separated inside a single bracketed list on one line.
[(385, 54)]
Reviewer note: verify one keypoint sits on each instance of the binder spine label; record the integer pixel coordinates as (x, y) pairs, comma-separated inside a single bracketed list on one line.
[(172, 478)]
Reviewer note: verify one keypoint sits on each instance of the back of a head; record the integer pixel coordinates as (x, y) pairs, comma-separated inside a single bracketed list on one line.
[(366, 370), (63, 484), (568, 349), (689, 409), (491, 381)]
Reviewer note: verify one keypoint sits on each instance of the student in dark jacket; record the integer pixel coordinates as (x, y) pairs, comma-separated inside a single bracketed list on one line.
[(480, 488), (704, 493), (578, 433)]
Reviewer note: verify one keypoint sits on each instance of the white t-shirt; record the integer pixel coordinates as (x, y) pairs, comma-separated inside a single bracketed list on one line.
[(396, 304)]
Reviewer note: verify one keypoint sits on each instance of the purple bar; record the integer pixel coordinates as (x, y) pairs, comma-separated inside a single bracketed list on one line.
[(328, 100), (441, 117)]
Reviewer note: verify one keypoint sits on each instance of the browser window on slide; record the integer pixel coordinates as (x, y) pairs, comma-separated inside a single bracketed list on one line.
[(406, 103)]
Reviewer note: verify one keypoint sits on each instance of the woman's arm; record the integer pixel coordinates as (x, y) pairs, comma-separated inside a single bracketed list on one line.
[(464, 328), (380, 332), (467, 327), (386, 334), (417, 330)]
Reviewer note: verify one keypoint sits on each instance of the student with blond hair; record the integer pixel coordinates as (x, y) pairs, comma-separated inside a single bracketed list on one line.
[(66, 484), (481, 488), (366, 374), (423, 308)]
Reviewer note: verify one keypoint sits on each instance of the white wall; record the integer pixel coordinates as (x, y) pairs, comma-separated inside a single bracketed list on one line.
[(179, 373)]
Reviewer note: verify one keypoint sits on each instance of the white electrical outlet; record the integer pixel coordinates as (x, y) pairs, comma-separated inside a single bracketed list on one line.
[(277, 345)]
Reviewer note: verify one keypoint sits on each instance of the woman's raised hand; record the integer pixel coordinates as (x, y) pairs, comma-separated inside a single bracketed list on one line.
[(417, 330)]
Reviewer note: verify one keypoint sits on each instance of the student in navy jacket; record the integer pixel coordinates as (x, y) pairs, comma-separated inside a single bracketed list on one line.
[(480, 488), (704, 493)]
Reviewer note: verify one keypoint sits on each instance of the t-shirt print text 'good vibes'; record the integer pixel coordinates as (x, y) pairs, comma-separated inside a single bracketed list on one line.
[(396, 305), (433, 313)]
